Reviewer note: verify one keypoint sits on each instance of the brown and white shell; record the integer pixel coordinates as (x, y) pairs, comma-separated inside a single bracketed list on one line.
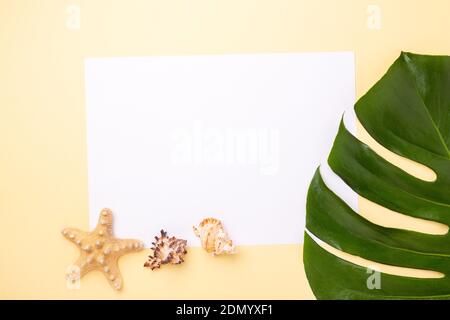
[(213, 237), (166, 250)]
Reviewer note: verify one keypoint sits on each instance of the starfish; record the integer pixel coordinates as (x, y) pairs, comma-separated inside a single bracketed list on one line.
[(100, 250)]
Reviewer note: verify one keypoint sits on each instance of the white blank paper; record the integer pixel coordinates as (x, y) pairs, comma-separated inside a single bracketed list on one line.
[(172, 140)]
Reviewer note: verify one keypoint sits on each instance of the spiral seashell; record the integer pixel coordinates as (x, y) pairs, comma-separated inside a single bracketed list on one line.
[(213, 237)]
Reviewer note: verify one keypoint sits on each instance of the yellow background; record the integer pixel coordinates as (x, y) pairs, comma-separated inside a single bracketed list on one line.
[(43, 168)]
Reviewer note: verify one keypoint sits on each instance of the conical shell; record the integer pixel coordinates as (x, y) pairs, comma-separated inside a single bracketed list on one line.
[(166, 250)]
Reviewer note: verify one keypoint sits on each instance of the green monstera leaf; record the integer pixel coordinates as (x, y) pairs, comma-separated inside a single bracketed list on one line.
[(407, 112)]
